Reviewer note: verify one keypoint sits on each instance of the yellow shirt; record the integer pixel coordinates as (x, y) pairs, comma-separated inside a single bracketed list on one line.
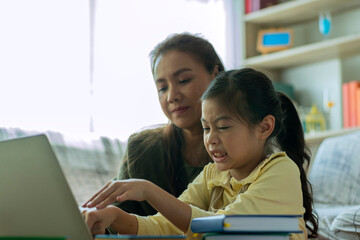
[(273, 187)]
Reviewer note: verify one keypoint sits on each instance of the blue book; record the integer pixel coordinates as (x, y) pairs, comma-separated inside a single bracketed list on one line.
[(246, 236), (138, 237), (247, 224)]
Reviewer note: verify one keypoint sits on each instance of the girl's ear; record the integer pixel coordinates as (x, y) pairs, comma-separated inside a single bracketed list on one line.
[(266, 127)]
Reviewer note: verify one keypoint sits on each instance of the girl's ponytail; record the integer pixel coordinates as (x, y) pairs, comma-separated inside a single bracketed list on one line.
[(291, 136), (290, 139)]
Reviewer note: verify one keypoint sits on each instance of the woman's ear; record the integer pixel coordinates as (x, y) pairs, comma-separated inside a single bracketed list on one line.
[(216, 70), (266, 127)]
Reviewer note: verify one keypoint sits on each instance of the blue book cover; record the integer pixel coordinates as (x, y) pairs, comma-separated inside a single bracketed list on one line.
[(246, 236), (247, 224), (138, 237)]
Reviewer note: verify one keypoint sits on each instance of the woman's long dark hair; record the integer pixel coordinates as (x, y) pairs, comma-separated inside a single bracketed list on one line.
[(251, 95), (173, 139)]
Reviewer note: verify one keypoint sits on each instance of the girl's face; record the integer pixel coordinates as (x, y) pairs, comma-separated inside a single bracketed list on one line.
[(230, 142), (180, 81)]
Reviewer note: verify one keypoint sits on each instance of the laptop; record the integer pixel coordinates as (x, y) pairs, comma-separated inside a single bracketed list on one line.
[(35, 198)]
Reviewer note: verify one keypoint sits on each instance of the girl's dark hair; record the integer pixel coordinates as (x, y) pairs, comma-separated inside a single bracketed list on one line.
[(205, 53), (251, 96)]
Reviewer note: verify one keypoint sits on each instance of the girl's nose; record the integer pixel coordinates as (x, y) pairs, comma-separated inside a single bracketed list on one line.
[(212, 139)]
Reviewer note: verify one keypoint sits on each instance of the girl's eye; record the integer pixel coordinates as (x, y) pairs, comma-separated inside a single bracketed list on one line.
[(206, 129), (223, 128), (185, 81)]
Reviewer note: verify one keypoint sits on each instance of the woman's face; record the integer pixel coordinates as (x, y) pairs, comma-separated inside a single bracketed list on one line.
[(180, 81)]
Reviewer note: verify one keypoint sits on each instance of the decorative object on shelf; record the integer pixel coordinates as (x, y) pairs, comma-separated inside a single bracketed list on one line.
[(314, 120), (328, 104), (325, 23), (302, 111), (274, 39)]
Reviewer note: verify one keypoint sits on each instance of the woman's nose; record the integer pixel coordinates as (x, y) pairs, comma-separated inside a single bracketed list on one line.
[(174, 95)]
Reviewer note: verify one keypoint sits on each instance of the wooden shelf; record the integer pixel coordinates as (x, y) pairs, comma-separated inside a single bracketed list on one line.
[(296, 11), (333, 48)]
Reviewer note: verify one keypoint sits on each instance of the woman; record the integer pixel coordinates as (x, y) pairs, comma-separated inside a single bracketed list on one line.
[(171, 156)]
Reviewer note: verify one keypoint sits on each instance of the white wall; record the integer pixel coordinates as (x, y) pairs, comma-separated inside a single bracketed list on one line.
[(45, 61)]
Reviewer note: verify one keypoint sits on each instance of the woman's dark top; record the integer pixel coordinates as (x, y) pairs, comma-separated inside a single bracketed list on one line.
[(146, 158)]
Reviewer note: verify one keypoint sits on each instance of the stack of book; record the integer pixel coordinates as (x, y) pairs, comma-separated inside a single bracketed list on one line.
[(255, 5), (249, 227)]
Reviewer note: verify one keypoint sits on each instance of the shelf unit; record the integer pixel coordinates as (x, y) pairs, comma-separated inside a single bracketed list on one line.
[(296, 11), (339, 47), (313, 63)]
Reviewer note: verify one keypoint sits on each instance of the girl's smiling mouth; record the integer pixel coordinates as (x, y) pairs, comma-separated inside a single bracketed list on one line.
[(218, 156)]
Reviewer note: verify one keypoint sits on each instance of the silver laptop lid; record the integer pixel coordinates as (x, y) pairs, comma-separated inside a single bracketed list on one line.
[(35, 198)]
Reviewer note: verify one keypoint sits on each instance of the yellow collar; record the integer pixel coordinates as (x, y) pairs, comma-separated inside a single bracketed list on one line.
[(224, 179)]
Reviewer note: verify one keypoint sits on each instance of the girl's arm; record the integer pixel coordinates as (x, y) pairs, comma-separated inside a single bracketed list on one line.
[(176, 211)]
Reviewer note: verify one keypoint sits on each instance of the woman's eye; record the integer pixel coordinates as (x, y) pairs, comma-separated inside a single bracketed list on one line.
[(223, 128), (163, 89)]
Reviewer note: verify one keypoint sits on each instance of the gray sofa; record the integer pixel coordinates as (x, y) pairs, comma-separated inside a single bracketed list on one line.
[(87, 162), (335, 178)]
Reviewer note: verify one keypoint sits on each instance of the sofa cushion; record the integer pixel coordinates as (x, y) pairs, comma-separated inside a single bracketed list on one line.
[(338, 222), (335, 173), (348, 221)]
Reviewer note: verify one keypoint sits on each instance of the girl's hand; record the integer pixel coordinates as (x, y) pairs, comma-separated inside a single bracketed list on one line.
[(176, 211), (121, 190), (98, 220)]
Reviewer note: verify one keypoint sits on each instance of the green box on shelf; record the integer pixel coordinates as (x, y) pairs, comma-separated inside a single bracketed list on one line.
[(285, 88)]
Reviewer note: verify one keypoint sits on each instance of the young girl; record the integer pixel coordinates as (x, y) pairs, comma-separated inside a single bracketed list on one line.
[(244, 122)]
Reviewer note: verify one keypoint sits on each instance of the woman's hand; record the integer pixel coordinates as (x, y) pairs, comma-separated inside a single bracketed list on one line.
[(98, 220), (120, 190)]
